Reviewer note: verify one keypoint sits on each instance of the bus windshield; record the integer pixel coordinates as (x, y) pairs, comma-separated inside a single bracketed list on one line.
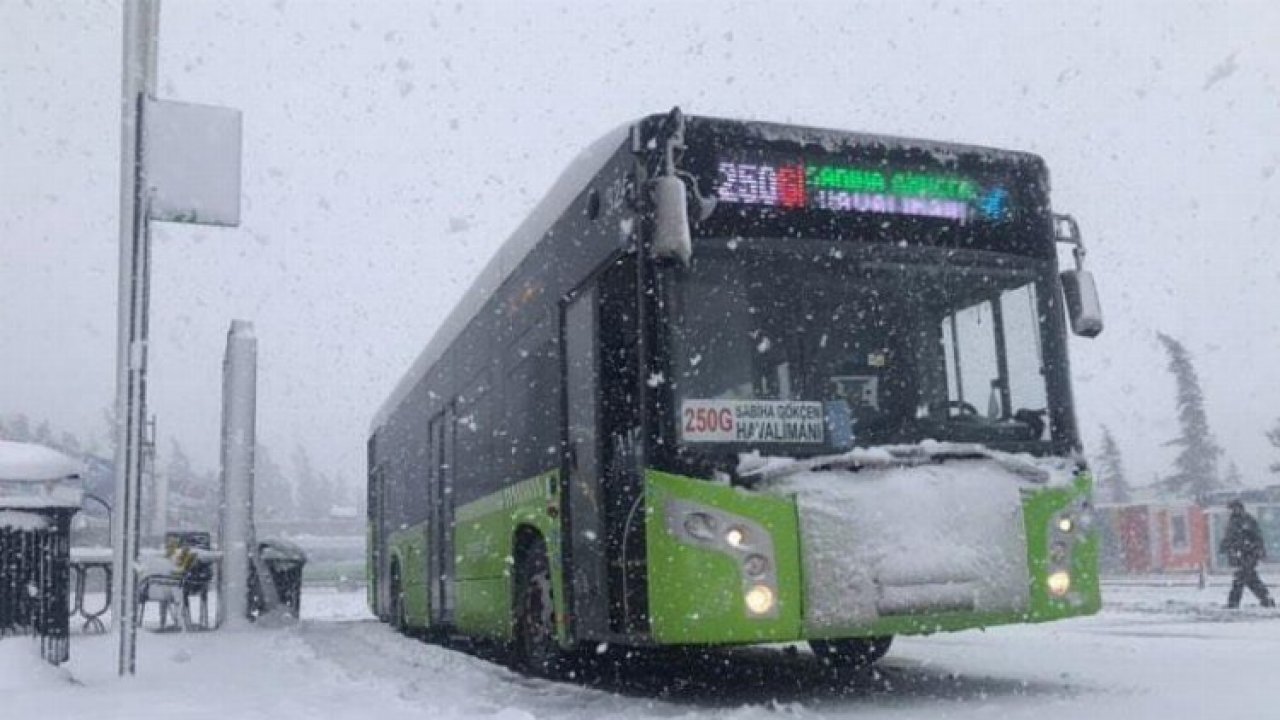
[(909, 344)]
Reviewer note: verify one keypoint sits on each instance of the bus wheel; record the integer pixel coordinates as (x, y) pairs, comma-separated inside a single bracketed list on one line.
[(852, 653), (536, 649)]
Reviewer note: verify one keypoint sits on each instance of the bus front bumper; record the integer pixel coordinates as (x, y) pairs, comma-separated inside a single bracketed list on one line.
[(706, 589)]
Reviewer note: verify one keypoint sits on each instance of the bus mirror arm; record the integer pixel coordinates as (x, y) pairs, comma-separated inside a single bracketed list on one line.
[(1078, 288), (703, 205), (671, 234)]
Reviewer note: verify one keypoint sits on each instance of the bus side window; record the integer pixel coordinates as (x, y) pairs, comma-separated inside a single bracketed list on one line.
[(531, 406), (474, 428)]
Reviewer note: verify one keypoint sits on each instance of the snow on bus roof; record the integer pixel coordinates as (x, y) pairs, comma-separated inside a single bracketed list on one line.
[(36, 463), (526, 236), (830, 140)]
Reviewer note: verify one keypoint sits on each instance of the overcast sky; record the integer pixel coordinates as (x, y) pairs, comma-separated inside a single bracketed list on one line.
[(390, 147)]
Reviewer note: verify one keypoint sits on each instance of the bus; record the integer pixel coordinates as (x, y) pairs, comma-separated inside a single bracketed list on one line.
[(741, 383)]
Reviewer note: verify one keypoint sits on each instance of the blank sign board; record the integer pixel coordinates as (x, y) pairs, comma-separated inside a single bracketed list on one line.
[(192, 161)]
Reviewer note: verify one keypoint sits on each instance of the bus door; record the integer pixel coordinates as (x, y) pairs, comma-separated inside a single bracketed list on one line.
[(440, 556), (583, 523)]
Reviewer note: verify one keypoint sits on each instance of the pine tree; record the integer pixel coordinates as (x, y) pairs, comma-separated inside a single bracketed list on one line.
[(44, 434), (69, 443), (1273, 437), (315, 490), (192, 500), (1196, 467), (1233, 478), (1113, 486), (18, 429), (109, 417)]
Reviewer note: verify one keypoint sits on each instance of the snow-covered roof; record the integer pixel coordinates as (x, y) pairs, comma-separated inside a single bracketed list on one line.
[(37, 463), (34, 477), (504, 263)]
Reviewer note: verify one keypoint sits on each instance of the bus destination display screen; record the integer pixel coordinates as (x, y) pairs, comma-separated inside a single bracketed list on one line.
[(798, 183)]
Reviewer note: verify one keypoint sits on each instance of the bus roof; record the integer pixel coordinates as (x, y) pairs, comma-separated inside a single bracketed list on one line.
[(836, 140), (526, 236), (574, 180)]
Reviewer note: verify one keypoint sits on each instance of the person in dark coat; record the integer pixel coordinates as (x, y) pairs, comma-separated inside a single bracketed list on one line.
[(1244, 548)]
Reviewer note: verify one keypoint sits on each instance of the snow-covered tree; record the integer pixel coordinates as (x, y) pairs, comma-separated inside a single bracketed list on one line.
[(273, 493), (1233, 478), (360, 496), (192, 499), (316, 493), (44, 434), (1195, 470), (109, 416), (1112, 485), (18, 429), (69, 443)]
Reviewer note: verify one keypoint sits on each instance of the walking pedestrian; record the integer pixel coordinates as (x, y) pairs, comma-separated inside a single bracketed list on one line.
[(1244, 547)]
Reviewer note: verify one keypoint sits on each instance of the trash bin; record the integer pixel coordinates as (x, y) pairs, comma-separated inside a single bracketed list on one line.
[(284, 560)]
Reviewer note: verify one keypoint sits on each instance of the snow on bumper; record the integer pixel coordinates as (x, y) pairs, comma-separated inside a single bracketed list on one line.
[(887, 542)]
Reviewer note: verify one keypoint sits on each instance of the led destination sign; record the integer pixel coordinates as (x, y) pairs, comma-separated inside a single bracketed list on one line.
[(845, 188)]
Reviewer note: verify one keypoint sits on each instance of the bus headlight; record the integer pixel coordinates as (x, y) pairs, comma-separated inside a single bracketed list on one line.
[(1059, 583), (759, 599)]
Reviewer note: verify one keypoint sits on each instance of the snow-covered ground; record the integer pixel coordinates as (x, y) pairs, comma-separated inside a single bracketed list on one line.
[(1155, 652)]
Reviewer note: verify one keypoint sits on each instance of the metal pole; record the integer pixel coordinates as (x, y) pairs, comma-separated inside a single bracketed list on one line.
[(141, 18), (239, 409)]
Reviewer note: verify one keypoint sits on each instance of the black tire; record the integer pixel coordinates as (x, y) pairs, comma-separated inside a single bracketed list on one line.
[(851, 653), (535, 648)]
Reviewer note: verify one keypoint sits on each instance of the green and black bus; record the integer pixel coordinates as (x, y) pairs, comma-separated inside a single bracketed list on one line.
[(739, 382)]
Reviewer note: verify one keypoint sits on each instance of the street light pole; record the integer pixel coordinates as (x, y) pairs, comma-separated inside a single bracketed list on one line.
[(141, 21)]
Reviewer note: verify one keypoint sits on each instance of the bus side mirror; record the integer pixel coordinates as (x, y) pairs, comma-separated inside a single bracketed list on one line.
[(671, 234), (1083, 306)]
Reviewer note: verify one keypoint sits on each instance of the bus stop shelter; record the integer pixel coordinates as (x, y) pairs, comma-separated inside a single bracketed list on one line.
[(40, 490)]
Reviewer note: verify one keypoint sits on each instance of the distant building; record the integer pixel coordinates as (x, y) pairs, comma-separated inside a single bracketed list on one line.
[(1180, 537)]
